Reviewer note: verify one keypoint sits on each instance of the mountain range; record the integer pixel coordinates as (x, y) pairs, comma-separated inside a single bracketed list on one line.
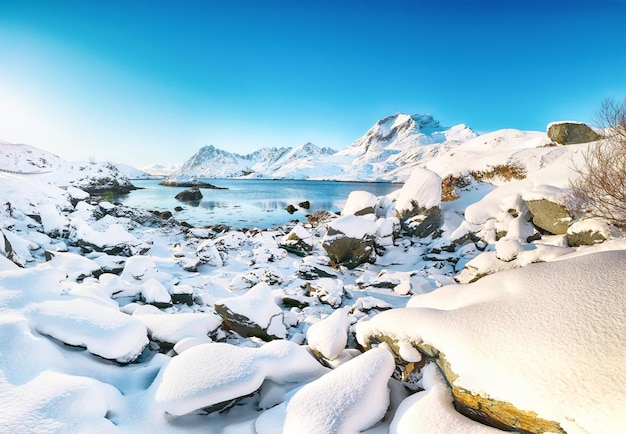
[(386, 152)]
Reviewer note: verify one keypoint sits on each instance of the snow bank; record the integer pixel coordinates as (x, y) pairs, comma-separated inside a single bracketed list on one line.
[(359, 202)]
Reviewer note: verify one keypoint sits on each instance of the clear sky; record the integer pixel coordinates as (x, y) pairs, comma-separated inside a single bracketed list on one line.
[(145, 82)]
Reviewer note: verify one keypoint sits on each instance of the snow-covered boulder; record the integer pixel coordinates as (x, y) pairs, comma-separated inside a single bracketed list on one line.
[(548, 206), (114, 240), (173, 328), (349, 399), (588, 232), (105, 332), (253, 314), (349, 240), (418, 203), (512, 342), (298, 241), (360, 203), (328, 337), (210, 376), (328, 290), (571, 133)]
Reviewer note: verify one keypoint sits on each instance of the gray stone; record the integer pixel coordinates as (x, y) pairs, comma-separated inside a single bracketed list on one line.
[(348, 251), (190, 195), (420, 222), (571, 133), (549, 216)]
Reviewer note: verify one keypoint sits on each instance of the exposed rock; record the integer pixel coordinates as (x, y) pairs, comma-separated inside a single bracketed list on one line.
[(298, 241), (314, 267), (319, 217), (571, 133), (329, 291), (418, 205), (549, 216), (291, 209), (305, 204), (191, 195), (349, 240), (253, 314), (589, 232)]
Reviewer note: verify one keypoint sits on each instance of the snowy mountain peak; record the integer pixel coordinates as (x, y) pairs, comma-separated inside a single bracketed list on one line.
[(400, 125)]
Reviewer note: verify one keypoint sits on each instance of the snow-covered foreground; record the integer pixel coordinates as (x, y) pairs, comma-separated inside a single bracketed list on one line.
[(114, 320)]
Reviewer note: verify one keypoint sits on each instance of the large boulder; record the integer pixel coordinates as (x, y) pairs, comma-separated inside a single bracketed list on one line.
[(349, 240), (190, 195), (418, 203), (547, 204), (571, 133)]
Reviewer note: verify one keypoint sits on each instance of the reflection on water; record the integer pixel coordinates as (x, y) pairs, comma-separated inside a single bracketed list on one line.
[(250, 203)]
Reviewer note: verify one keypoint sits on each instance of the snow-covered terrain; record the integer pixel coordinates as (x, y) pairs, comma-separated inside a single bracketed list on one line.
[(406, 313)]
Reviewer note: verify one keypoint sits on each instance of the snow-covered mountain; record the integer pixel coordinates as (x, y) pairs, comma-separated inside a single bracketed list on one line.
[(387, 152)]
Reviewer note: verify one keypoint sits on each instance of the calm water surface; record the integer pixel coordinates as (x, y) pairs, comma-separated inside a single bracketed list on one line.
[(250, 203)]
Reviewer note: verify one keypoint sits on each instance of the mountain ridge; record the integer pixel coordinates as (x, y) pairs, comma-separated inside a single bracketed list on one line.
[(386, 152)]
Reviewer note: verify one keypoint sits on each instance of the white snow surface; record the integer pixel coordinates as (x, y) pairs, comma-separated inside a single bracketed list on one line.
[(531, 335), (212, 373), (556, 312), (423, 188)]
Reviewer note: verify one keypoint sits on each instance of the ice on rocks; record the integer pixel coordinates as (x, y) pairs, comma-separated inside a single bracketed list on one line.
[(209, 374)]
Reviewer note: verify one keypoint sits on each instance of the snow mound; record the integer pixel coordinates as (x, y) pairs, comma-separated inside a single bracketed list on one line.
[(349, 399), (209, 374), (330, 335), (105, 332), (423, 188)]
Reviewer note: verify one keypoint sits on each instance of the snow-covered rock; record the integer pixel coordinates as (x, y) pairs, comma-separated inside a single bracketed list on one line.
[(341, 401), (210, 374), (329, 336), (253, 314), (105, 332), (555, 311), (350, 240)]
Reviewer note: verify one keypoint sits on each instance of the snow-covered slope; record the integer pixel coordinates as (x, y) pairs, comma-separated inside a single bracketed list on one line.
[(92, 177), (387, 152)]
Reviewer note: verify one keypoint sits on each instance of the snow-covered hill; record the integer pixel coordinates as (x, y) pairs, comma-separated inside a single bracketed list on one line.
[(387, 152), (27, 160)]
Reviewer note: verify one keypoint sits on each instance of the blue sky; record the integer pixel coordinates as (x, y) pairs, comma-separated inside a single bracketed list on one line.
[(147, 82)]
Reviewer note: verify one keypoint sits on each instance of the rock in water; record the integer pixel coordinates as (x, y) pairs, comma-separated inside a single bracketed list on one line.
[(190, 195)]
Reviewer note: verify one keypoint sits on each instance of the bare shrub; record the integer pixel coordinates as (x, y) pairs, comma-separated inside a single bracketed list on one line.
[(507, 172), (600, 188)]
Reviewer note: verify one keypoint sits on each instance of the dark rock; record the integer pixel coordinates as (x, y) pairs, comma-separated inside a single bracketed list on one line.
[(305, 205), (191, 195), (348, 251), (178, 208), (291, 209), (420, 222), (242, 324), (571, 133), (166, 215)]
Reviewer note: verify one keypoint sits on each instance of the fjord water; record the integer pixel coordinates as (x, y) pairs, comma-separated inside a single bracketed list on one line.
[(249, 203)]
